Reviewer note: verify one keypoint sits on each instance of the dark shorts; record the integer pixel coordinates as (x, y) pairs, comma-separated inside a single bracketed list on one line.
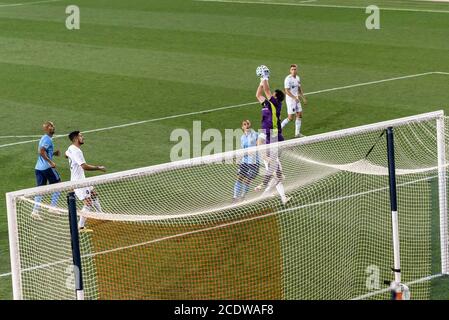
[(248, 171), (47, 176)]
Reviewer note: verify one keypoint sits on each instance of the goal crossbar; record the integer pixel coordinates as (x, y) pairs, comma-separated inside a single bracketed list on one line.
[(220, 157)]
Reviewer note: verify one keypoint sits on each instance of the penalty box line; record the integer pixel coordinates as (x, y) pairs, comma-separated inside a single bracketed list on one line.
[(232, 107)]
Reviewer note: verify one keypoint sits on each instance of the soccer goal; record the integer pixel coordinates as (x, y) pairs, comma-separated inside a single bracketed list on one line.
[(172, 231)]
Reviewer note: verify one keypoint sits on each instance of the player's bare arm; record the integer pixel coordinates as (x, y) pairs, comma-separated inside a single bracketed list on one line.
[(302, 96), (89, 167), (266, 88), (259, 93), (288, 93), (44, 155)]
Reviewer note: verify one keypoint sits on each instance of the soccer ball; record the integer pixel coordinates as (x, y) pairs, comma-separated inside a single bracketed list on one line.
[(262, 71)]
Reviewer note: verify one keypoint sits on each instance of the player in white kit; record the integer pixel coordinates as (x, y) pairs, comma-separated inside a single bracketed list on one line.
[(293, 96), (77, 167)]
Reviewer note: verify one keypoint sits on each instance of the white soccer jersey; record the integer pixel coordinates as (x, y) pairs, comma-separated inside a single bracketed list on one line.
[(76, 159), (291, 83)]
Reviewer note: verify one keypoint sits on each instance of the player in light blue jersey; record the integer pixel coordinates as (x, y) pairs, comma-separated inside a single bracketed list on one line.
[(249, 167), (45, 168)]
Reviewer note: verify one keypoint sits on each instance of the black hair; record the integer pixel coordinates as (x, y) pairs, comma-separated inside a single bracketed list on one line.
[(73, 135), (280, 96)]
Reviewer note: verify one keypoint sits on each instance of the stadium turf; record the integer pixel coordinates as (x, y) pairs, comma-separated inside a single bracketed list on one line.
[(143, 60)]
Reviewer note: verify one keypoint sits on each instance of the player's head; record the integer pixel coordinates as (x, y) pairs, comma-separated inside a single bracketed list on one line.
[(279, 95), (293, 70), (49, 127), (76, 137), (246, 125)]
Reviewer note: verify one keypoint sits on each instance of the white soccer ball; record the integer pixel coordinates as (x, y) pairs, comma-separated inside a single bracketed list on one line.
[(262, 71)]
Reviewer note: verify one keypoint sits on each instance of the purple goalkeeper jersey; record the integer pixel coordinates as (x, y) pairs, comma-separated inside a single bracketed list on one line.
[(271, 120)]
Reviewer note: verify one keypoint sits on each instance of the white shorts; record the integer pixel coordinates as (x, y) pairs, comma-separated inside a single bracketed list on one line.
[(292, 106), (83, 193)]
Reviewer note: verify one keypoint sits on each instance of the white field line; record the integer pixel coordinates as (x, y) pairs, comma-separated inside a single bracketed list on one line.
[(316, 5), (224, 225), (26, 3), (17, 143), (375, 82), (231, 107), (14, 137)]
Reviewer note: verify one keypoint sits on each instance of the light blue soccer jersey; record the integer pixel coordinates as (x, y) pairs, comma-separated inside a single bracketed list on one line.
[(247, 141), (47, 143)]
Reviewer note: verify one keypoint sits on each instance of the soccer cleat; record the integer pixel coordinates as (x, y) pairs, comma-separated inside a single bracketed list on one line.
[(36, 216), (85, 230), (286, 200), (300, 135), (258, 188)]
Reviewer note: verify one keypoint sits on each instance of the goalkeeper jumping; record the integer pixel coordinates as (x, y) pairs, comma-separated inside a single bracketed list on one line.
[(271, 133)]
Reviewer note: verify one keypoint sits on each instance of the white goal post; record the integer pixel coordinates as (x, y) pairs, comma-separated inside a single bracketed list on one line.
[(185, 239)]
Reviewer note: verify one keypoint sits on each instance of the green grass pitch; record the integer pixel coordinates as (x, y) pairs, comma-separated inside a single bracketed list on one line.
[(151, 59)]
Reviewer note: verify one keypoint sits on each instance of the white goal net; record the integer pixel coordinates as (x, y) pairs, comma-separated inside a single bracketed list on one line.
[(172, 231)]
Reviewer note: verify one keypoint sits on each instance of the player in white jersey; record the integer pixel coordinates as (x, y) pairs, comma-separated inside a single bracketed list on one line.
[(293, 95), (77, 166)]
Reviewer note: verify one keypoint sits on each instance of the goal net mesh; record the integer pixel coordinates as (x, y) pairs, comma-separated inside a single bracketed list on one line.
[(173, 232)]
